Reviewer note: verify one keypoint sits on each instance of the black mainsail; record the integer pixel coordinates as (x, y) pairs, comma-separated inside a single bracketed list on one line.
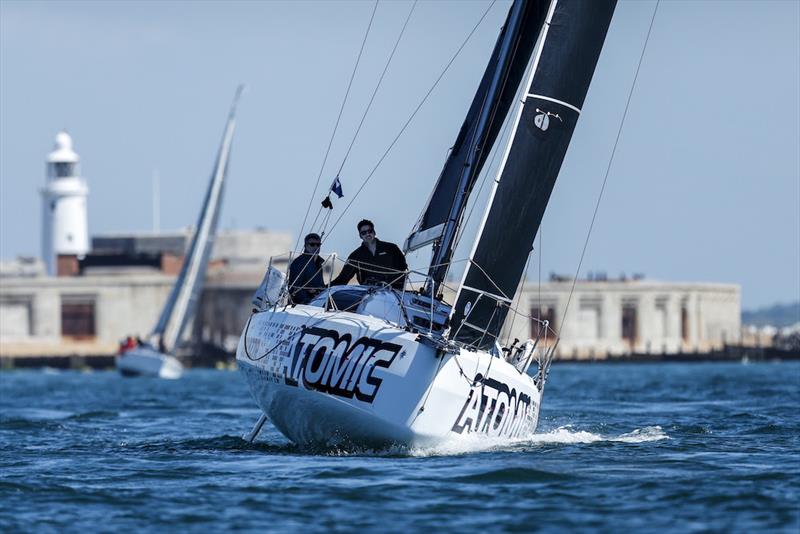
[(185, 295), (478, 133), (564, 61)]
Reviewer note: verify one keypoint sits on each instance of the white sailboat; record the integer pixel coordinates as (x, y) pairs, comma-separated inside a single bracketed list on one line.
[(373, 365), (154, 357)]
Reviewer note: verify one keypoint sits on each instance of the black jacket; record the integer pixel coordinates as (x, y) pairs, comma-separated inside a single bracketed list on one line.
[(388, 266), (305, 278)]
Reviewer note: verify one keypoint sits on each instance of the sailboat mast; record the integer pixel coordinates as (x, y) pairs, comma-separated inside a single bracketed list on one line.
[(185, 295), (443, 248)]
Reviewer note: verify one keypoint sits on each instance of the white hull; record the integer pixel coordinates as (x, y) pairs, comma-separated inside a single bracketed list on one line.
[(326, 377), (144, 361)]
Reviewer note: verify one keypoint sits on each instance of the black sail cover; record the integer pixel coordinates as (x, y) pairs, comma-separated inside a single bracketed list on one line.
[(569, 47), (431, 224)]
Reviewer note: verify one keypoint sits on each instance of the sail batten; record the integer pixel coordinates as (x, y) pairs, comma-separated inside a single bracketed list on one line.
[(563, 64), (551, 99)]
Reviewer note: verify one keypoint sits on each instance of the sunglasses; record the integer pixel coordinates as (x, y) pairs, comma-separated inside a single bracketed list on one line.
[(313, 244), (365, 232)]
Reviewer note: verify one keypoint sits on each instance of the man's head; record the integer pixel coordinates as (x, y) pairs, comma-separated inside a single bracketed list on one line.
[(366, 230), (312, 243)]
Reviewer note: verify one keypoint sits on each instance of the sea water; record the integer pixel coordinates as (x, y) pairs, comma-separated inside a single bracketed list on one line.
[(668, 447)]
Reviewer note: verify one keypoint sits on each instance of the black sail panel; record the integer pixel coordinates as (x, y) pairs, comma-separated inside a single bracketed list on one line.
[(570, 47), (437, 211)]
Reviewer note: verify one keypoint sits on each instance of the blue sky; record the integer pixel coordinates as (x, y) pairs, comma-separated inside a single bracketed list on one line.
[(705, 185)]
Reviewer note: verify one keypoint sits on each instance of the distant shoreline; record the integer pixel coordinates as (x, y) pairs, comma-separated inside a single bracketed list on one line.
[(218, 359), (731, 353)]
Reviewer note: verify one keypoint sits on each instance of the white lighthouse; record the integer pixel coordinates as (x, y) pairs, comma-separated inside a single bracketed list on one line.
[(64, 224)]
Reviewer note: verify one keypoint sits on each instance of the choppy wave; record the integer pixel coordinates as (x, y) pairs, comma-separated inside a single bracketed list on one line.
[(85, 450), (648, 433), (511, 475)]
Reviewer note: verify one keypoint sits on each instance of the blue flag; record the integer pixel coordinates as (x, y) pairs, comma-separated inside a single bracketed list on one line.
[(336, 187)]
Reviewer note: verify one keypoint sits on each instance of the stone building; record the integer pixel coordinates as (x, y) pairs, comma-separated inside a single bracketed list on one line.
[(616, 317), (84, 315), (120, 287), (116, 290)]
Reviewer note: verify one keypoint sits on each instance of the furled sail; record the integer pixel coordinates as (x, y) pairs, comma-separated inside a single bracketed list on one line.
[(494, 98), (185, 295), (563, 64)]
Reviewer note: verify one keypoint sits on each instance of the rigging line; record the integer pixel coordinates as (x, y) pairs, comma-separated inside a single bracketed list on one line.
[(323, 224), (314, 222), (477, 195), (403, 129), (489, 322), (537, 320), (541, 253), (336, 126), (519, 294), (375, 92), (489, 278), (610, 162)]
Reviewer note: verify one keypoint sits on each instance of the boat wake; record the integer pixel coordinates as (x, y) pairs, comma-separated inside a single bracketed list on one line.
[(479, 443), (566, 434), (563, 435)]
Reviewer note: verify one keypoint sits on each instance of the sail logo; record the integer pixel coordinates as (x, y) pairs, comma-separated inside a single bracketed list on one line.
[(542, 119), (495, 409), (324, 360)]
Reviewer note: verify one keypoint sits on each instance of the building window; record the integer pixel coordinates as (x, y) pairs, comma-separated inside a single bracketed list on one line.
[(629, 326), (78, 317), (684, 324), (660, 321)]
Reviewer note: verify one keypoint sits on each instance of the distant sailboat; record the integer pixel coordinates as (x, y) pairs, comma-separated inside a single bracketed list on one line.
[(375, 365), (154, 357)]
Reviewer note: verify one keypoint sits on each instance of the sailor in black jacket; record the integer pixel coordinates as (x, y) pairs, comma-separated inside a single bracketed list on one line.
[(374, 262), (305, 272)]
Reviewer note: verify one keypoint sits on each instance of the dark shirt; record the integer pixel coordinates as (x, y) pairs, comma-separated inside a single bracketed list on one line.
[(387, 266), (305, 278)]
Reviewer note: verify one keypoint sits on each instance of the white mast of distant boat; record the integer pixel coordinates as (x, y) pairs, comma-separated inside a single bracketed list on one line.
[(155, 358)]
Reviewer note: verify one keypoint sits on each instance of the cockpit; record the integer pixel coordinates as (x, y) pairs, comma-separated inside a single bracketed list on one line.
[(404, 309)]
